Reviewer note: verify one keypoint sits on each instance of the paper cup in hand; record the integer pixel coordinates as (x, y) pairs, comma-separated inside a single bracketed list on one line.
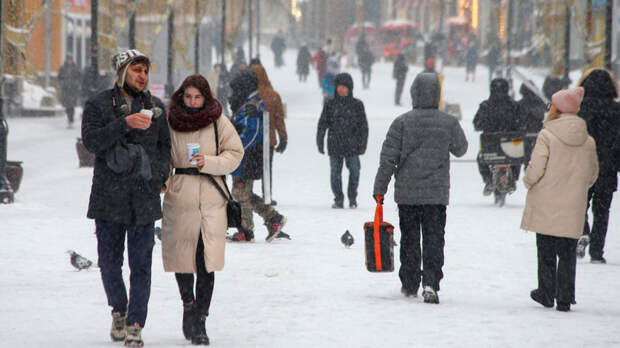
[(146, 112), (191, 150)]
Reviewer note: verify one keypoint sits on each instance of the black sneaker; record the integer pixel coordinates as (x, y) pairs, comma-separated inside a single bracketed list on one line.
[(430, 295), (188, 320), (563, 307), (582, 244), (283, 235), (199, 331), (338, 205), (274, 226), (118, 332), (538, 296), (241, 235), (409, 292), (353, 204), (599, 260)]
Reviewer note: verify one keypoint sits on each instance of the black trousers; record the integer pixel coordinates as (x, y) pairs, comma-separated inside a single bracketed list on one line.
[(70, 110), (601, 201), (400, 83), (430, 220), (204, 283), (557, 263)]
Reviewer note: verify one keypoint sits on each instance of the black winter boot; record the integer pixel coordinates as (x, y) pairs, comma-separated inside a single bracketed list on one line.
[(199, 331), (540, 297), (188, 319)]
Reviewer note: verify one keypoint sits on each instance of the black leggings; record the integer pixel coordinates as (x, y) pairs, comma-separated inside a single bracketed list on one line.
[(204, 283)]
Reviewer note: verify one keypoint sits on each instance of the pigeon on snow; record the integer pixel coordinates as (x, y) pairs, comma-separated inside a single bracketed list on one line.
[(78, 261), (347, 239)]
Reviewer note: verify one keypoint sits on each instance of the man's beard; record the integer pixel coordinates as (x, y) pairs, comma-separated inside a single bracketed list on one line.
[(134, 93)]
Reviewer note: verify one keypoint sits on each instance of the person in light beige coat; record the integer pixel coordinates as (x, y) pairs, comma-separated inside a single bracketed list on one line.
[(563, 166), (195, 222)]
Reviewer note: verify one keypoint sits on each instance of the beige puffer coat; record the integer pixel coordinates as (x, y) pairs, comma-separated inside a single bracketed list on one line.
[(192, 204), (564, 165)]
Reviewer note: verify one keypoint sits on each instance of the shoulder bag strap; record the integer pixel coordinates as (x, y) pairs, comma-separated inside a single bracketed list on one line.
[(217, 152)]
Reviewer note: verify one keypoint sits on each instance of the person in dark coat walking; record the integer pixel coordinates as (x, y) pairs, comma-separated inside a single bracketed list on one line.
[(499, 113), (345, 119), (555, 81), (399, 72), (417, 149), (602, 115), (493, 60), (303, 63), (278, 45), (248, 108), (132, 161), (531, 111), (69, 78), (319, 60), (365, 61), (471, 60)]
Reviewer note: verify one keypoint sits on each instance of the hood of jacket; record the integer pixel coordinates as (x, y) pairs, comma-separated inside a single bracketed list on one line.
[(570, 129), (425, 91), (499, 88), (261, 74), (599, 83), (346, 80)]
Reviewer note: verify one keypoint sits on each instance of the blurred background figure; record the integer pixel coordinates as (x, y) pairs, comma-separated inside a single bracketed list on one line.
[(69, 79), (278, 45), (471, 60), (303, 62), (399, 73)]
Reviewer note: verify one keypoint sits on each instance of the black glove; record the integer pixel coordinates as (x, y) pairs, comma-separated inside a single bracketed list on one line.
[(321, 151), (281, 146), (379, 200)]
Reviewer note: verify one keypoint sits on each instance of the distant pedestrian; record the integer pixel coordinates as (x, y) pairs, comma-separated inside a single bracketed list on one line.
[(471, 60), (132, 161), (399, 72), (344, 120), (602, 115), (555, 81), (319, 60), (365, 61), (531, 111), (416, 151), (69, 78), (278, 45), (194, 225), (303, 63), (493, 56), (563, 166)]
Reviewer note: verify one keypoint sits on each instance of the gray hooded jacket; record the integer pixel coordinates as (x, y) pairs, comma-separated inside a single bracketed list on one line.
[(417, 148)]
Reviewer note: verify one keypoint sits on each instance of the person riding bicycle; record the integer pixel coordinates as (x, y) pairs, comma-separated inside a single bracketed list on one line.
[(499, 113)]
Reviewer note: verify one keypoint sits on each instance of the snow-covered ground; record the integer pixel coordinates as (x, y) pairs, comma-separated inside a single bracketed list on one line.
[(310, 291)]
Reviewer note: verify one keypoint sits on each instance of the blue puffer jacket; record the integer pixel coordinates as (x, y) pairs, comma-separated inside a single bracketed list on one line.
[(249, 123)]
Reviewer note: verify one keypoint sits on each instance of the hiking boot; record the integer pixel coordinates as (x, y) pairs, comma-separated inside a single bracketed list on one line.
[(283, 235), (199, 331), (118, 331), (563, 306), (134, 336), (540, 297), (582, 244), (409, 292), (188, 319), (242, 235), (274, 226), (430, 295), (338, 205), (353, 204), (488, 189), (599, 260)]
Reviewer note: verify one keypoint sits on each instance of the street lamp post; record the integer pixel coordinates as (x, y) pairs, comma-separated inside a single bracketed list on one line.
[(94, 48), (170, 61), (223, 34), (6, 191), (132, 26), (567, 46), (197, 40)]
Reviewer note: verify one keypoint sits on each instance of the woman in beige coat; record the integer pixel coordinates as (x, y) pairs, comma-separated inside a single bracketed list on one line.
[(194, 224), (563, 167)]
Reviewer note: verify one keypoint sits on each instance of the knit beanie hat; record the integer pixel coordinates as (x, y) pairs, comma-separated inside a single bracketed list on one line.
[(123, 60), (568, 100)]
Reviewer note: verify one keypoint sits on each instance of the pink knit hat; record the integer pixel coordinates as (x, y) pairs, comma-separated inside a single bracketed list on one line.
[(568, 100)]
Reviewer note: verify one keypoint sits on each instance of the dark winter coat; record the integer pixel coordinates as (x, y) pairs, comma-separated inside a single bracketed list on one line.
[(278, 44), (400, 68), (602, 115), (417, 149), (345, 118), (303, 61), (471, 57), (499, 113), (493, 57), (247, 108), (125, 198), (365, 60), (531, 110), (554, 84), (69, 78)]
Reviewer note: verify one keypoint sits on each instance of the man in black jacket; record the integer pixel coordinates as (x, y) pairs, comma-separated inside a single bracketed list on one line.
[(132, 159), (345, 118), (499, 113), (531, 114)]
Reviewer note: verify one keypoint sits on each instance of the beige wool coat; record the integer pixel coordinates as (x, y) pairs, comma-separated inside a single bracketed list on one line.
[(193, 208), (564, 165)]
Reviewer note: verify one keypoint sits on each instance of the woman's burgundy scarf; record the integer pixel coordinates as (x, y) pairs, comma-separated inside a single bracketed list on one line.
[(182, 121)]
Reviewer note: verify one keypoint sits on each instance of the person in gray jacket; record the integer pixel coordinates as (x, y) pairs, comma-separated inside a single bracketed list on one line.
[(417, 152)]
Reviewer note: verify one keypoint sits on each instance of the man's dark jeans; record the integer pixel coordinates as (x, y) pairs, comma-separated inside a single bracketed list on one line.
[(430, 220), (353, 164), (110, 248)]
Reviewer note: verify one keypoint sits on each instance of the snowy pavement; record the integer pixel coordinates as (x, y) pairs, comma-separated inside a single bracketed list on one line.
[(310, 291)]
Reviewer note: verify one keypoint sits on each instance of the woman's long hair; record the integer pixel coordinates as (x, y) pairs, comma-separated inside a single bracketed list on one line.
[(553, 114), (197, 81)]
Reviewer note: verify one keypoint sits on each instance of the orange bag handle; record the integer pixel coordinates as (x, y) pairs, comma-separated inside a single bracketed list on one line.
[(376, 230)]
